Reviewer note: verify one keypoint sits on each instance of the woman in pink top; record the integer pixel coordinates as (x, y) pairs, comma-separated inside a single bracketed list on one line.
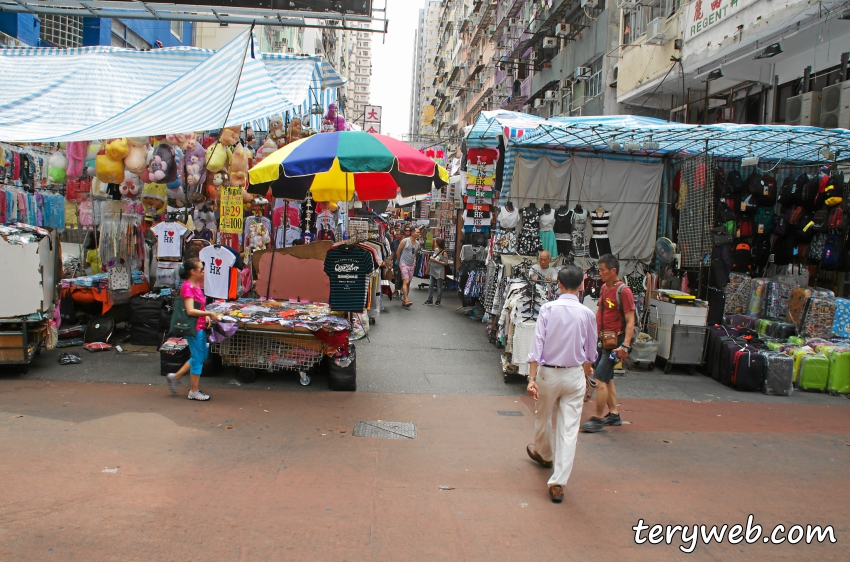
[(192, 293)]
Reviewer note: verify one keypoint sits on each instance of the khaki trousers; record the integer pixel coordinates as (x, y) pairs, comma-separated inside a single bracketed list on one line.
[(564, 389)]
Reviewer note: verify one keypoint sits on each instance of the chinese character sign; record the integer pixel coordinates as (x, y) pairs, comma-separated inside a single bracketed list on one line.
[(702, 15), (231, 221), (372, 113)]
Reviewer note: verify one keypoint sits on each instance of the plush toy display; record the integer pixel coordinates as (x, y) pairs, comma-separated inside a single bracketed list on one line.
[(230, 135), (217, 157), (175, 188), (294, 131), (196, 173), (329, 122), (118, 149), (131, 187), (340, 124), (57, 165), (91, 157), (276, 131), (239, 166), (269, 147), (249, 135), (258, 237), (109, 170), (76, 154), (99, 188), (162, 167), (137, 158), (154, 199)]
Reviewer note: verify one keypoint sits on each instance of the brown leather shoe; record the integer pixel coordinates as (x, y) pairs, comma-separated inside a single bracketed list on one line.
[(536, 457), (556, 493)]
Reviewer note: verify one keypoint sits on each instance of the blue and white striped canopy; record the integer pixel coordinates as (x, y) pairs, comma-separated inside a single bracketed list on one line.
[(89, 93)]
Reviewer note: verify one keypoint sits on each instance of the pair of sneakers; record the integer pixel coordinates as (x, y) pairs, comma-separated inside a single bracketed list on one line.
[(595, 425), (431, 303), (173, 382)]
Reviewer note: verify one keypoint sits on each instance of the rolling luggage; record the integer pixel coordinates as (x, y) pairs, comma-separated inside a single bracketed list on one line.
[(841, 325), (758, 288), (728, 352), (839, 372), (776, 300), (796, 304), (740, 321), (778, 374), (798, 355), (762, 326), (716, 336), (748, 373), (818, 317), (737, 293), (781, 330), (814, 372)]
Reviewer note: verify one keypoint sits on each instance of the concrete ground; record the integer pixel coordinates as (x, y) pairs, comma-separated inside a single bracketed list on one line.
[(100, 462)]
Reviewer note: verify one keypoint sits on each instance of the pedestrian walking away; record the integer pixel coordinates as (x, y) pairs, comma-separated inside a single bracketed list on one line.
[(615, 318), (406, 253), (437, 271), (560, 359), (192, 293)]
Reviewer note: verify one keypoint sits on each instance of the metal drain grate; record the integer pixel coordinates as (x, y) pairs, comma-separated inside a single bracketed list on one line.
[(385, 430), (510, 413)]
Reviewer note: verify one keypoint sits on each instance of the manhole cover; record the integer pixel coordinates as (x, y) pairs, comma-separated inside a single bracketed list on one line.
[(510, 413), (385, 430)]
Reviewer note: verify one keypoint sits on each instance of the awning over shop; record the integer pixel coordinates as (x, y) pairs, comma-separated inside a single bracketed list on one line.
[(88, 93)]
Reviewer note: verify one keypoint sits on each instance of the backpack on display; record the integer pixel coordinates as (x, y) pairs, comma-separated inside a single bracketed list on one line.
[(765, 218), (761, 251), (799, 186), (833, 253), (782, 223), (783, 250), (810, 191), (786, 191), (837, 218), (767, 195), (754, 183), (745, 228), (734, 182), (816, 248), (742, 257), (749, 204), (820, 218), (724, 213), (720, 237)]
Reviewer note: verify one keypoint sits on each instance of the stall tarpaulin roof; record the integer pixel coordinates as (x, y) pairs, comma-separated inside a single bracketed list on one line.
[(103, 92)]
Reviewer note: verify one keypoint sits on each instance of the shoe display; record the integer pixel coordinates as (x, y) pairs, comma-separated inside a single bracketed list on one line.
[(593, 425), (612, 419)]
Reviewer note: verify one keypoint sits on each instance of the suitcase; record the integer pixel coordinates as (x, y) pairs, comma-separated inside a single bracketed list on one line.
[(796, 304), (145, 310), (814, 372), (762, 326), (841, 325), (741, 321), (778, 374), (776, 300), (748, 372), (716, 335), (758, 292), (146, 334), (818, 317), (798, 355), (171, 360), (781, 330), (737, 293), (728, 350), (839, 372)]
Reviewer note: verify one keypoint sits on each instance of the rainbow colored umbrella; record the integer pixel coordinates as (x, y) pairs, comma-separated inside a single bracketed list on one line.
[(335, 166)]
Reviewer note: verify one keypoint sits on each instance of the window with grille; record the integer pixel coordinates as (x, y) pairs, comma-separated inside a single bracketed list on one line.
[(62, 31), (593, 87)]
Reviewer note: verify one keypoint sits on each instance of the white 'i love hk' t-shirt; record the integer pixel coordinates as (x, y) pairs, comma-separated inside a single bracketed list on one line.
[(217, 263), (169, 236)]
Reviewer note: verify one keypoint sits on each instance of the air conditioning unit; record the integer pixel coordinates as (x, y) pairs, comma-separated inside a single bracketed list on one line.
[(565, 84), (835, 106), (562, 29), (534, 26), (550, 95), (589, 3), (581, 73), (290, 51), (627, 4), (537, 103), (803, 109), (550, 42)]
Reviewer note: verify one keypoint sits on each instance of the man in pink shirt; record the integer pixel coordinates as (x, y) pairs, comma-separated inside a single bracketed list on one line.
[(560, 359)]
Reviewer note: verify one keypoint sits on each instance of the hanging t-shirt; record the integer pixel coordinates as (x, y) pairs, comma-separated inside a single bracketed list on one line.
[(217, 263), (481, 155), (349, 269), (169, 236)]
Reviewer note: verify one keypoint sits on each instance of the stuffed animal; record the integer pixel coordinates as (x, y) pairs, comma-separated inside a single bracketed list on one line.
[(57, 165), (217, 157), (154, 199), (340, 124), (190, 140), (258, 237), (249, 135), (196, 173), (294, 131), (175, 188), (76, 153), (99, 188), (239, 166), (118, 149), (162, 167), (131, 187), (328, 123), (137, 158), (204, 217), (109, 170), (276, 131), (91, 156), (269, 147), (230, 135)]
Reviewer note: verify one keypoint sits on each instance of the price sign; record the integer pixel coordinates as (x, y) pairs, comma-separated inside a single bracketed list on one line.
[(231, 221)]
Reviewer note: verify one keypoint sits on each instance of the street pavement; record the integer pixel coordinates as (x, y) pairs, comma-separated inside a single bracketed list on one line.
[(100, 462)]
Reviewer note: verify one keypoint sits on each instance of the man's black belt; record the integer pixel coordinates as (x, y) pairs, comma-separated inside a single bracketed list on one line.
[(559, 367)]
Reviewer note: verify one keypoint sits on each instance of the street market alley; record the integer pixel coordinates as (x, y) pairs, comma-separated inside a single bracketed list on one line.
[(271, 470)]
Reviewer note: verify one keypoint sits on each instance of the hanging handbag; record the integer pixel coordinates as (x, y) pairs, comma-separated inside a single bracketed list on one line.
[(720, 237), (182, 325)]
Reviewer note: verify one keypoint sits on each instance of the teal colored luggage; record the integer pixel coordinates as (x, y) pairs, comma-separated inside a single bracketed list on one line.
[(814, 372), (839, 372)]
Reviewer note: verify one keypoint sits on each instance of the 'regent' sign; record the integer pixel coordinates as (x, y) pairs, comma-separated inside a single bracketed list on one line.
[(702, 15)]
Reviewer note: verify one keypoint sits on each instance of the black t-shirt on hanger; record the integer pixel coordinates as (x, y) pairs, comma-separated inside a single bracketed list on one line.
[(349, 269)]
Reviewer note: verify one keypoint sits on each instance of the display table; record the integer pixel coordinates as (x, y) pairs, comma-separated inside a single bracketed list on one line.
[(681, 332), (95, 288), (277, 336)]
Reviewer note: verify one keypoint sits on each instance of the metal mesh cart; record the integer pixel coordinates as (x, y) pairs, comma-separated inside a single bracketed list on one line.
[(255, 346)]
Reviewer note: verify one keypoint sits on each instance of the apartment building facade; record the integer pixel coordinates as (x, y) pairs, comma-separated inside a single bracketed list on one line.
[(426, 43)]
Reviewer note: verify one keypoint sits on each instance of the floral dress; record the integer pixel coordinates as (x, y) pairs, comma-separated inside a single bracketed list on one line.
[(528, 241), (579, 234)]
